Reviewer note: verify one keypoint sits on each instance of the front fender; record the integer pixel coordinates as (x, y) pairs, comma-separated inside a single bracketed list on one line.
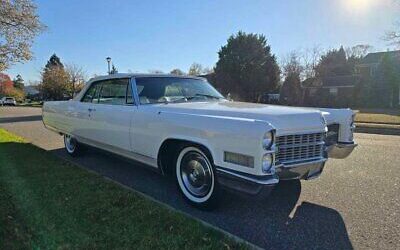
[(343, 117), (219, 135)]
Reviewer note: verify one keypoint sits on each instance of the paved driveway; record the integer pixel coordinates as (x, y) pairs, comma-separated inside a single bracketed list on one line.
[(354, 204)]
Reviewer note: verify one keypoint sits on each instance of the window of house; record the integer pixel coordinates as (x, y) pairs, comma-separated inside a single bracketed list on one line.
[(313, 92), (373, 70), (333, 91)]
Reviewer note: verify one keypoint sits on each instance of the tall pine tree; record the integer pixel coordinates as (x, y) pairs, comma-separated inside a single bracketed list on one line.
[(246, 67), (55, 81)]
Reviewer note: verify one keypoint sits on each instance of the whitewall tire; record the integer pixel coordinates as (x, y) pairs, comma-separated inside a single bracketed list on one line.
[(196, 178), (72, 146)]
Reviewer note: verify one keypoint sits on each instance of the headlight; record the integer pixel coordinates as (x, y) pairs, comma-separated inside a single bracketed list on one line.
[(267, 161), (268, 140)]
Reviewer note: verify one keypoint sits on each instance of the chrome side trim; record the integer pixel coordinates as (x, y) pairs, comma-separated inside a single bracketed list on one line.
[(125, 153)]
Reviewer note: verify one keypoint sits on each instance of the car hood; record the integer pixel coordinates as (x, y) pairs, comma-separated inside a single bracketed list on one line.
[(286, 120)]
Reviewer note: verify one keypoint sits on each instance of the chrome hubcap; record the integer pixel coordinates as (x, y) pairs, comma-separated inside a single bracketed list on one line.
[(196, 174), (70, 143)]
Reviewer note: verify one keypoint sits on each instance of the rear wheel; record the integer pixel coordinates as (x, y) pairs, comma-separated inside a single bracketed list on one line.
[(72, 146), (196, 177)]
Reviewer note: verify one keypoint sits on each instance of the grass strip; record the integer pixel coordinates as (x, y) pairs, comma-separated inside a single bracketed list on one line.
[(48, 203), (386, 117)]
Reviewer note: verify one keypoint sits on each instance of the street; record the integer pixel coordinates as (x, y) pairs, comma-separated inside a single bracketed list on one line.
[(354, 204)]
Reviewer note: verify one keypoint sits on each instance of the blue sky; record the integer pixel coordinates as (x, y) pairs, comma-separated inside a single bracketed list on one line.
[(147, 35)]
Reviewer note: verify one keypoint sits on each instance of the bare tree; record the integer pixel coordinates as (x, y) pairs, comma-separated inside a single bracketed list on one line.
[(358, 51), (291, 92), (393, 37), (291, 64), (195, 69), (177, 72), (207, 70), (19, 25), (156, 71), (77, 77), (310, 59)]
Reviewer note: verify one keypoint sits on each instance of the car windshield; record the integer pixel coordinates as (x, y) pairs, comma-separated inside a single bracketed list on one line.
[(9, 99), (175, 89)]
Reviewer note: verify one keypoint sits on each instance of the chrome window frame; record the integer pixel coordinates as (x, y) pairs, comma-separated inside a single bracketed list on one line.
[(135, 95), (111, 79)]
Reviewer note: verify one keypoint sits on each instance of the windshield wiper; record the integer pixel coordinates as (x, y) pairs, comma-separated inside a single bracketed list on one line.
[(187, 98), (202, 95)]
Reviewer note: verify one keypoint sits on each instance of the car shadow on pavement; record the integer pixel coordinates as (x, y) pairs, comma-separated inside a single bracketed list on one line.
[(276, 222), (31, 118)]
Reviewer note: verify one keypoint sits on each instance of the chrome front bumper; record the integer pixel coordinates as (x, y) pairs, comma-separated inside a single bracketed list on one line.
[(302, 171), (340, 150), (255, 185)]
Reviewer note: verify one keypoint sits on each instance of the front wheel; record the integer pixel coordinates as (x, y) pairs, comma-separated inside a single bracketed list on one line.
[(72, 146), (196, 178)]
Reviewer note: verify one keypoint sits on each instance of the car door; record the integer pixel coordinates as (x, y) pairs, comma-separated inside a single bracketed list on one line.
[(82, 111), (113, 114)]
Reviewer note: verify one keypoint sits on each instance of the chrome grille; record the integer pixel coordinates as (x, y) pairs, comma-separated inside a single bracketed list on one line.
[(298, 148)]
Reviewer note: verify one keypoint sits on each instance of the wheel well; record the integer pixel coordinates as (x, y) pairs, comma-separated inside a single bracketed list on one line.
[(169, 150)]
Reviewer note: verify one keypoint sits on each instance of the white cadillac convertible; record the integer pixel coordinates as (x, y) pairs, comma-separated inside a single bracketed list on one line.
[(184, 128)]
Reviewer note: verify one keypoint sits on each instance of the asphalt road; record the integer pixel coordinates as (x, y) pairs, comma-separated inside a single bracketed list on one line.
[(354, 204)]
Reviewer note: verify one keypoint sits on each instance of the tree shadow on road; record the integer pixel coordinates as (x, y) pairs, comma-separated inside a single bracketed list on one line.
[(31, 118)]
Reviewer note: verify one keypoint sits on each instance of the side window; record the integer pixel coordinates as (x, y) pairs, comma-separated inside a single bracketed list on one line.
[(92, 93), (113, 92)]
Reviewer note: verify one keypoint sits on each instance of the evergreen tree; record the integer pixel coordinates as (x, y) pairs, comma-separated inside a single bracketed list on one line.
[(114, 70), (389, 77), (246, 67), (334, 63), (18, 82), (54, 61), (55, 80)]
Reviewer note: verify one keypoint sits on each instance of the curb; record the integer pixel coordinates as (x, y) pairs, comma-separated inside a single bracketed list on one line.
[(379, 131), (378, 128), (206, 224)]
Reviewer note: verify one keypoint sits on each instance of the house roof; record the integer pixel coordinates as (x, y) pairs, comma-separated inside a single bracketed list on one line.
[(372, 58), (332, 81), (31, 90)]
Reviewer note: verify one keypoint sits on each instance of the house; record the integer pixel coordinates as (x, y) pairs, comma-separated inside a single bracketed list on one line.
[(370, 64), (330, 91), (382, 69), (375, 83), (31, 90)]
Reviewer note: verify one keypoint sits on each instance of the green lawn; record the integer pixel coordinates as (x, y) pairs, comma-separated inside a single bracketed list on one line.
[(388, 116), (48, 203)]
